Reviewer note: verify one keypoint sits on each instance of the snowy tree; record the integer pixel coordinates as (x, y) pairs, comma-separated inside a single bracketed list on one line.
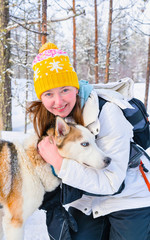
[(96, 42), (108, 47), (5, 71), (147, 77), (85, 49), (74, 37)]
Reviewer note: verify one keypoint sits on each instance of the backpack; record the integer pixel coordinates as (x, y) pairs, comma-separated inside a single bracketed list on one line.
[(138, 117)]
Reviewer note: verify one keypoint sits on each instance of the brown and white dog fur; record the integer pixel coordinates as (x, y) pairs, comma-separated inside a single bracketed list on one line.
[(25, 176)]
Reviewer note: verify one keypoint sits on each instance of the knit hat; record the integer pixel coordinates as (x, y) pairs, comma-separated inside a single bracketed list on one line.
[(52, 69)]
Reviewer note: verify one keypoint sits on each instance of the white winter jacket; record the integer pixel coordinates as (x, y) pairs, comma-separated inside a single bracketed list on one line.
[(115, 134)]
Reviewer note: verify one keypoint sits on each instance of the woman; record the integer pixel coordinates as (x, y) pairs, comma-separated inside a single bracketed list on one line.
[(102, 212)]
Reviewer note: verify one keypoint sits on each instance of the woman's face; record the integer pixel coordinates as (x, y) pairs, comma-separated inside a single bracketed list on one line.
[(60, 101)]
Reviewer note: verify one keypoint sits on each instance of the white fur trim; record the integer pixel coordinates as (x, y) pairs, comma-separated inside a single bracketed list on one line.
[(91, 109), (123, 86)]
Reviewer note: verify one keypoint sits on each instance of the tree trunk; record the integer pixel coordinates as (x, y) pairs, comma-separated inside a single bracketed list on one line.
[(74, 38), (5, 78), (96, 44), (27, 83), (147, 77), (39, 24), (44, 21), (108, 42)]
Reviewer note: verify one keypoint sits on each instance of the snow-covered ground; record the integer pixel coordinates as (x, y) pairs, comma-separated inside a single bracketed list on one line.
[(35, 227)]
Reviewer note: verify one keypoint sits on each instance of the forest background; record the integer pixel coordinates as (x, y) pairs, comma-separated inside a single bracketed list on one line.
[(106, 40)]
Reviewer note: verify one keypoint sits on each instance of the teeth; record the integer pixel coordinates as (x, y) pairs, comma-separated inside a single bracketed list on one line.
[(60, 108)]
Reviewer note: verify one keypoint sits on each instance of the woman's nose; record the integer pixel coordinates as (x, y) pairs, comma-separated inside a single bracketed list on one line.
[(58, 99)]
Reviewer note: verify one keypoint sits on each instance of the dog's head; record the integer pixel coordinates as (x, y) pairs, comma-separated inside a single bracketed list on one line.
[(78, 143)]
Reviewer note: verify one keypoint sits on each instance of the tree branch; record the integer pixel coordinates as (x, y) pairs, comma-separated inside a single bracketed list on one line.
[(37, 21)]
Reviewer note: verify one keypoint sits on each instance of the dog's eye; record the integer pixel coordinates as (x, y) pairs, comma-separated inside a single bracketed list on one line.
[(85, 144)]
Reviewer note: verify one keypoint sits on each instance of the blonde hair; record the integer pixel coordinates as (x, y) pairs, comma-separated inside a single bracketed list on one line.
[(43, 119)]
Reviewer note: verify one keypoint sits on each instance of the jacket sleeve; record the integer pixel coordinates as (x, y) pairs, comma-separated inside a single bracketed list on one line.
[(114, 139)]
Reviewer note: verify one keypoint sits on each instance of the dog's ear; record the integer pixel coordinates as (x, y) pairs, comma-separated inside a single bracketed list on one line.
[(61, 128)]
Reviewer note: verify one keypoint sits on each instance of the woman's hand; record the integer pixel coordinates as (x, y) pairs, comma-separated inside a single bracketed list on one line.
[(49, 152)]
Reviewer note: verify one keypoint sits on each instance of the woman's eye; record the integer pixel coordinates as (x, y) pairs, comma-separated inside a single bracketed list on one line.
[(48, 94), (65, 90), (85, 144)]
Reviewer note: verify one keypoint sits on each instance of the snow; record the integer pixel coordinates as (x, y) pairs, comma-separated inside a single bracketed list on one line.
[(35, 227)]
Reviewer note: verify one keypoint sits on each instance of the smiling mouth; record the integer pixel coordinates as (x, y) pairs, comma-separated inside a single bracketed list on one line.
[(60, 108)]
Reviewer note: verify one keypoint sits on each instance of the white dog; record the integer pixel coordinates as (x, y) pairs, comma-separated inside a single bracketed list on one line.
[(25, 176)]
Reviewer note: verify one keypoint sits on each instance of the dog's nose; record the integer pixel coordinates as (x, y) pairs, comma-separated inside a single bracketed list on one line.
[(107, 160)]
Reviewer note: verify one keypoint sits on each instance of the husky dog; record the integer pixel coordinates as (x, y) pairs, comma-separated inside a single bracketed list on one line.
[(25, 176)]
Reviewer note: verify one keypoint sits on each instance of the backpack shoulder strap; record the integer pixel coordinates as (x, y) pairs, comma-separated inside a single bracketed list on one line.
[(101, 103)]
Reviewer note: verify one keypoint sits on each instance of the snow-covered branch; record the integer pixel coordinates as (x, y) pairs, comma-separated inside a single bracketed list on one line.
[(37, 21)]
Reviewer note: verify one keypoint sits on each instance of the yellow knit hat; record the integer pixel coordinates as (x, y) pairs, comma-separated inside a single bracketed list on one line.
[(52, 69)]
